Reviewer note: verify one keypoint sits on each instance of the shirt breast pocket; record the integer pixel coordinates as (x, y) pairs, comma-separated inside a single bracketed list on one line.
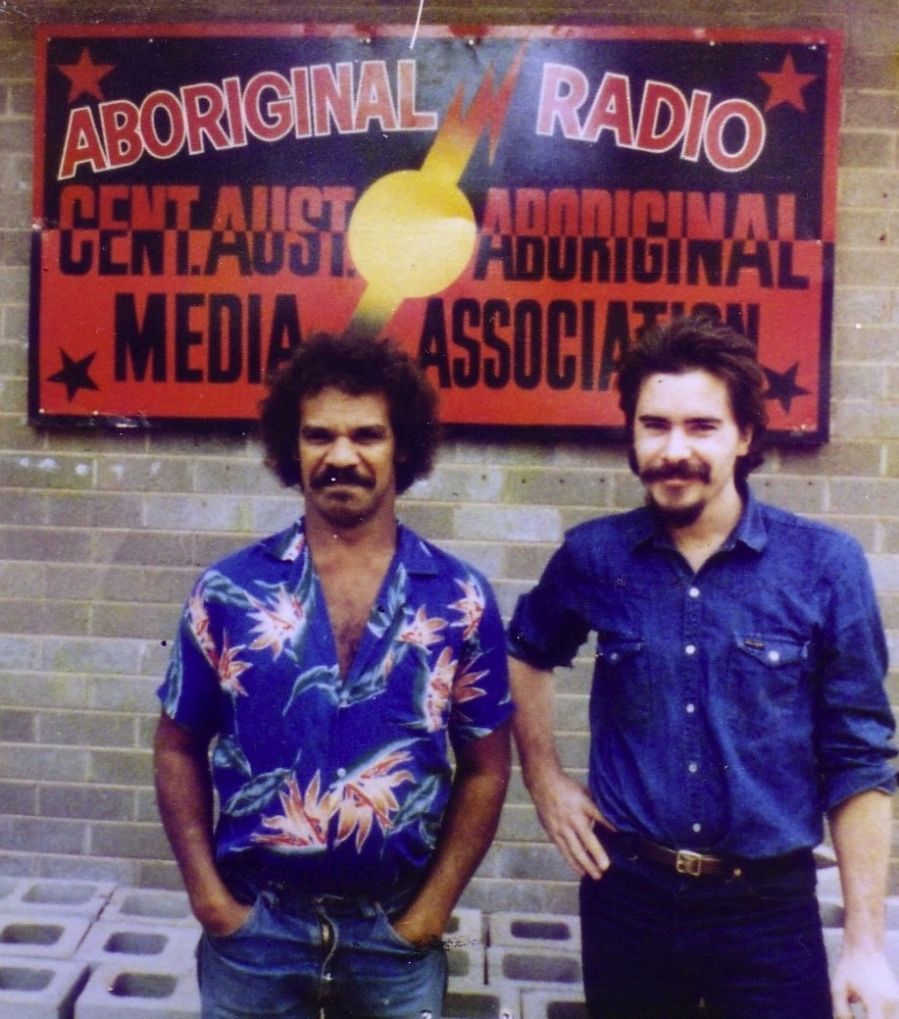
[(767, 679), (622, 694)]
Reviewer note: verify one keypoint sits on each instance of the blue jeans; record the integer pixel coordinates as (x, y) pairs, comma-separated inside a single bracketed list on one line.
[(304, 957), (656, 943)]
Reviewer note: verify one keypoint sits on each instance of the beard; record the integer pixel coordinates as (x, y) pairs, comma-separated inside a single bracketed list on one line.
[(331, 491), (676, 516)]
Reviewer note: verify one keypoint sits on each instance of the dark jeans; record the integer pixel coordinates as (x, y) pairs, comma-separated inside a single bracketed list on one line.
[(656, 943)]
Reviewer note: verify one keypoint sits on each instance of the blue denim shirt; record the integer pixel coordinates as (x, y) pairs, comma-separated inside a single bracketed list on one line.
[(337, 783), (729, 708)]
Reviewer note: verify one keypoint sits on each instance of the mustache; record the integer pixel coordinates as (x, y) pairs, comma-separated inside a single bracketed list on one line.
[(340, 476), (680, 471)]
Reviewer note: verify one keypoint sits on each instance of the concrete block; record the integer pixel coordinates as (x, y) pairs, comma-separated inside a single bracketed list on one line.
[(39, 989), (39, 896), (147, 905), (9, 886), (551, 931), (465, 948), (466, 927), (828, 881), (831, 909), (138, 992), (463, 1001), (552, 1005), (138, 944), (825, 857), (533, 969), (47, 937)]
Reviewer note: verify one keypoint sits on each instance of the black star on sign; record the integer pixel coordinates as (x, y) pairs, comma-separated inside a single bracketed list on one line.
[(74, 375), (782, 386)]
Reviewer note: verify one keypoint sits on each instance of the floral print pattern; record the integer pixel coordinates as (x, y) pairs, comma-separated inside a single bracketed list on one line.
[(354, 770)]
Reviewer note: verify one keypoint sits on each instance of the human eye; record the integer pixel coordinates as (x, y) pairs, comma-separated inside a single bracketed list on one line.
[(315, 436), (653, 424), (369, 436), (704, 426)]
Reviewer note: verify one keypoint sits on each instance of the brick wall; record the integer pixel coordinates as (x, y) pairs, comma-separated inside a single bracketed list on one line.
[(102, 533)]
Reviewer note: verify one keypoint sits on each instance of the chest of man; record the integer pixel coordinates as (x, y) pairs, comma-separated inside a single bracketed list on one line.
[(349, 594)]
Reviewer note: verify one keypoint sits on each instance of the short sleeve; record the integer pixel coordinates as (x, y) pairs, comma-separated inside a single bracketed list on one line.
[(481, 701), (189, 694)]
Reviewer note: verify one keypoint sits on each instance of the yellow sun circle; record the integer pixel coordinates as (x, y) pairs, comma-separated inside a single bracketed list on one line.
[(411, 234)]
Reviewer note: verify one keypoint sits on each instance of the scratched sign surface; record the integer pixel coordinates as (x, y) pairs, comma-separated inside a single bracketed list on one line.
[(511, 204)]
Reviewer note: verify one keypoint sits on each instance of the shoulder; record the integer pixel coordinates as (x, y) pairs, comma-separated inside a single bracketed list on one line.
[(784, 524), (423, 558), (268, 555), (440, 576), (609, 533), (820, 546)]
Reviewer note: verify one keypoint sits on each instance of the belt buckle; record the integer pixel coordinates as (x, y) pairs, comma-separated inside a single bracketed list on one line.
[(689, 863)]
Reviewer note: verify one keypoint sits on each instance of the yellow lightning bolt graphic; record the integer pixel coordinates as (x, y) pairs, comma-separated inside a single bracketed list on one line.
[(412, 232)]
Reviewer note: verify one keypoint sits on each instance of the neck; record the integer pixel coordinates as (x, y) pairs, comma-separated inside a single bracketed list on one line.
[(700, 540), (377, 534)]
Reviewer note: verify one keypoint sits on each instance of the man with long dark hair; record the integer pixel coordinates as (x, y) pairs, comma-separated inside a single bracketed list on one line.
[(738, 696), (353, 679)]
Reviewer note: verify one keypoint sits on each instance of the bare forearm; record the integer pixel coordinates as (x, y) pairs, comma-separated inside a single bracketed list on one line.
[(564, 806), (534, 695), (860, 828), (861, 836), (184, 796)]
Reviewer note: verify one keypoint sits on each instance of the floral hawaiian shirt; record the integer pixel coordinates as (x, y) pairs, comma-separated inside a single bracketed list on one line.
[(340, 782)]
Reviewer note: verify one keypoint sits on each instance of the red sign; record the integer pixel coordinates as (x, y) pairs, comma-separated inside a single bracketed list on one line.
[(511, 204)]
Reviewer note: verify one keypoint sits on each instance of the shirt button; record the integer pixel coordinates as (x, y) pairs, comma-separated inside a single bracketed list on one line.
[(697, 827), (690, 649), (692, 767), (774, 657), (341, 772), (693, 592), (691, 708)]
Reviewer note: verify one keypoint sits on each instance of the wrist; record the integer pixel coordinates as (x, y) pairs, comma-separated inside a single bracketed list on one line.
[(422, 933), (423, 923), (542, 774), (210, 907), (866, 941)]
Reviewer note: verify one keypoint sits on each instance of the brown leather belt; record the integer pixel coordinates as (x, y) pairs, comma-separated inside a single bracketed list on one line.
[(684, 861)]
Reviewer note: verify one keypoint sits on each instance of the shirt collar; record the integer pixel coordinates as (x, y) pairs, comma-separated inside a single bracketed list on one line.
[(287, 545), (412, 552), (750, 531)]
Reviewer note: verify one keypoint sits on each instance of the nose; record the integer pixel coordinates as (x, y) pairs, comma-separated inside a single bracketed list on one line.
[(342, 452), (676, 445)]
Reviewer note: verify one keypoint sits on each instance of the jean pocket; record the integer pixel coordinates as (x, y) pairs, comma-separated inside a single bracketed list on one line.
[(383, 922), (249, 922)]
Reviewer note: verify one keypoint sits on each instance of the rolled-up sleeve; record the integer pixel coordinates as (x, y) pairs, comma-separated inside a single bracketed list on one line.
[(855, 724), (549, 625)]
